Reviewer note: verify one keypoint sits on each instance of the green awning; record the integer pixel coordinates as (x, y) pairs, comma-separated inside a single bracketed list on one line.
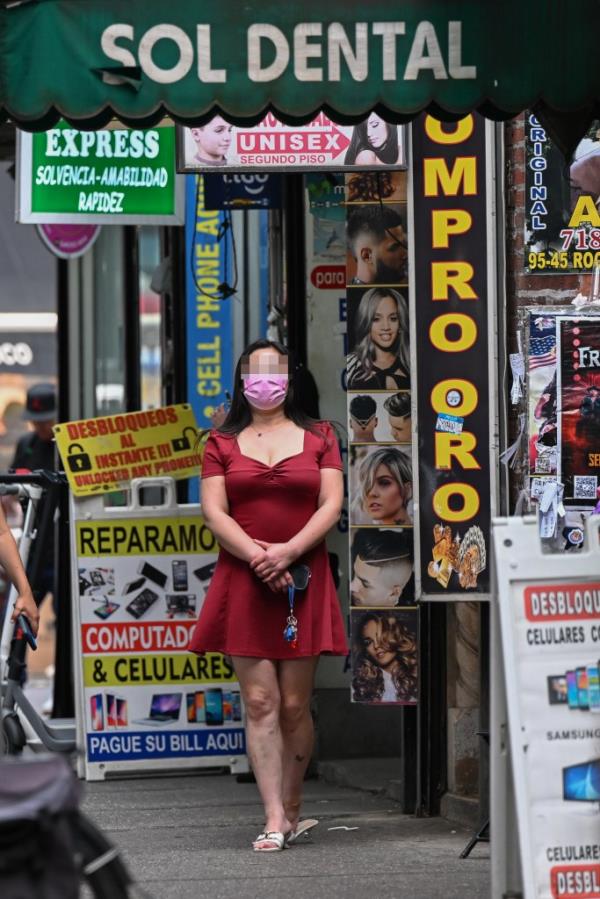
[(89, 60)]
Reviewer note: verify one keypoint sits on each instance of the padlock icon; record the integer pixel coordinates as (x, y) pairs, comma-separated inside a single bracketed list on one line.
[(181, 444), (78, 461)]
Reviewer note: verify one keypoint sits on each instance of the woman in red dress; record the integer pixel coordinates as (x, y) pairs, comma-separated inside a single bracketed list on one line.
[(272, 488)]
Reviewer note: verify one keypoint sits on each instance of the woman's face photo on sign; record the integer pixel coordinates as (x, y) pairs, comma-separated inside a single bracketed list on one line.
[(380, 485)]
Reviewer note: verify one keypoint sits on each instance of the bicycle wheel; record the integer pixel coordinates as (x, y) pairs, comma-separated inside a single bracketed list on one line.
[(103, 874)]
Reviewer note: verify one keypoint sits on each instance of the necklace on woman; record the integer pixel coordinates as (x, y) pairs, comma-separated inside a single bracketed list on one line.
[(268, 431)]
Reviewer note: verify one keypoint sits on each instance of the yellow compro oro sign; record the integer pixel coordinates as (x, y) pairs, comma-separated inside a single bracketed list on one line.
[(104, 454)]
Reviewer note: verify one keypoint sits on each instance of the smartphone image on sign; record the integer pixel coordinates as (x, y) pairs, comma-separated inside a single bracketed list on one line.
[(141, 603), (200, 707), (106, 609), (153, 574), (237, 705), (205, 572), (582, 688), (111, 710), (121, 712), (593, 676), (213, 702), (180, 575), (134, 585), (190, 700), (97, 710), (572, 692), (227, 706), (557, 689)]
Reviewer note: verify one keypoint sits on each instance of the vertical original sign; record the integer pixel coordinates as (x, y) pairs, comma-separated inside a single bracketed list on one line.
[(208, 314), (451, 287)]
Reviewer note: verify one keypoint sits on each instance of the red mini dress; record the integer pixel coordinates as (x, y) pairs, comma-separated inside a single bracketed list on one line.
[(241, 616)]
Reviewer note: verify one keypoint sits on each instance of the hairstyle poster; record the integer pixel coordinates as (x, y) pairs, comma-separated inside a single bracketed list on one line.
[(380, 417), (382, 573), (541, 394), (579, 390), (272, 146), (380, 485), (384, 621), (385, 656), (377, 243)]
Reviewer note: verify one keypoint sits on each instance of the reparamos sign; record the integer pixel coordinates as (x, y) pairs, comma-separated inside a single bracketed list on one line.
[(317, 52)]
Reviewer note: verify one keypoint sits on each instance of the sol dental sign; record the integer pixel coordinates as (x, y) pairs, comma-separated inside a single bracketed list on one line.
[(117, 175)]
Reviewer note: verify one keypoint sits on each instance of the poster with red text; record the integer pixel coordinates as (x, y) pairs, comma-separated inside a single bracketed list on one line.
[(579, 391)]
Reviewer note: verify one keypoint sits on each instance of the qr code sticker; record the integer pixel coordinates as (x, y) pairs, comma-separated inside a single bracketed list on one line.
[(585, 486)]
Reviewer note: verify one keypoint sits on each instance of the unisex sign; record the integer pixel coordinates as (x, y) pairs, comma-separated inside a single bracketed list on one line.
[(103, 454), (272, 145), (144, 701), (453, 383), (117, 175)]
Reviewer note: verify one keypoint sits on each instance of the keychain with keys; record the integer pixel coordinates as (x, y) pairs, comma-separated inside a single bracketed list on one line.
[(290, 631)]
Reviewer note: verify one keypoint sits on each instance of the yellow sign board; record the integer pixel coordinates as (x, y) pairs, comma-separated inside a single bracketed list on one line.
[(136, 670), (104, 454)]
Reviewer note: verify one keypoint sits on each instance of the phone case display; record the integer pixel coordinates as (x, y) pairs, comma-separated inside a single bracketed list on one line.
[(147, 702), (384, 621)]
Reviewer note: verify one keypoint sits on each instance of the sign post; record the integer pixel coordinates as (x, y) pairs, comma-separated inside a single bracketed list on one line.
[(546, 715), (142, 701)]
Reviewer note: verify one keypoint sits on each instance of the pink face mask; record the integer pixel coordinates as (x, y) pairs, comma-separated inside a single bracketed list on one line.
[(265, 391)]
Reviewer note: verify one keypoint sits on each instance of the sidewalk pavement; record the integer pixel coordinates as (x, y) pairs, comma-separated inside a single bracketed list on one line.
[(189, 836)]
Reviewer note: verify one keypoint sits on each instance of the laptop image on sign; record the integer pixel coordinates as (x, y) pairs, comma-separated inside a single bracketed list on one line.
[(164, 709)]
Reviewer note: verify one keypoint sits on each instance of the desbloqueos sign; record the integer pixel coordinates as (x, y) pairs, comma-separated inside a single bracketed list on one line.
[(117, 175)]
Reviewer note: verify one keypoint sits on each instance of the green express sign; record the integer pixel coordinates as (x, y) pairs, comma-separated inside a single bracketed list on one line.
[(118, 175)]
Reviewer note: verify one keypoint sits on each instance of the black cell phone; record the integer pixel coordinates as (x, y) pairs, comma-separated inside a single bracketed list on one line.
[(23, 622), (141, 603), (132, 586), (84, 584), (180, 574), (152, 573), (206, 572), (97, 578)]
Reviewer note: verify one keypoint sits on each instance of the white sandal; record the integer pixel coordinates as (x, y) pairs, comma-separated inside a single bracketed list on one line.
[(303, 827), (272, 836)]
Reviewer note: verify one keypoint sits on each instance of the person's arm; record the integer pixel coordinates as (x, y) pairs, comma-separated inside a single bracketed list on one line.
[(11, 562), (279, 556), (215, 511)]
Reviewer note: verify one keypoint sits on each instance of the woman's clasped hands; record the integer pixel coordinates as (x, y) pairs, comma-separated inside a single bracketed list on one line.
[(273, 563)]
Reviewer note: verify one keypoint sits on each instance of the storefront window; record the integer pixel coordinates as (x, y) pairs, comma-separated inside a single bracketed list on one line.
[(149, 257), (109, 331)]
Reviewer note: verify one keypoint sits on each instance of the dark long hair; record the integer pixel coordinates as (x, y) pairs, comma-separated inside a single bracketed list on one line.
[(240, 413), (387, 153)]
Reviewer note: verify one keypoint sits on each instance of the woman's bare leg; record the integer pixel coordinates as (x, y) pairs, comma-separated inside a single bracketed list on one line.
[(296, 679), (260, 690)]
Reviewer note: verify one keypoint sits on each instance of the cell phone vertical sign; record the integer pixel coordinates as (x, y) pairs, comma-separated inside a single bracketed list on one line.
[(145, 702), (208, 313)]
